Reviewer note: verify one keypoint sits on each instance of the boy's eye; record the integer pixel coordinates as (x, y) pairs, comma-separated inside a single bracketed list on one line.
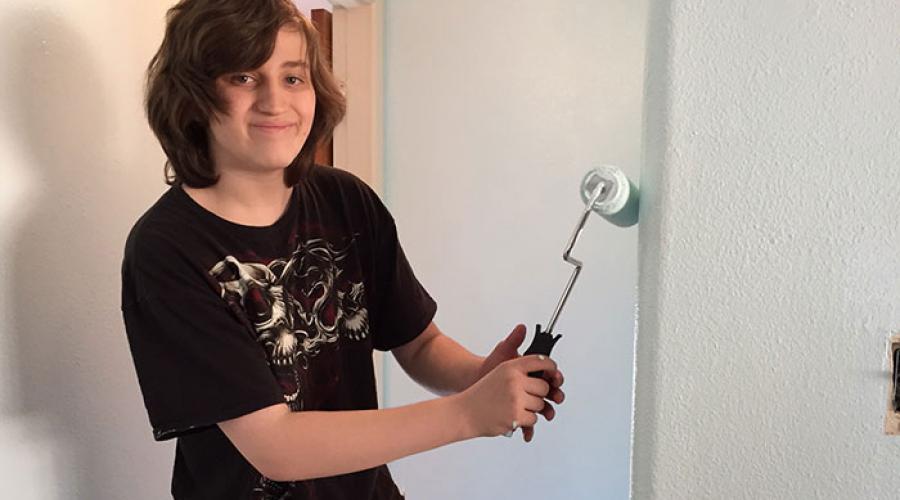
[(241, 79)]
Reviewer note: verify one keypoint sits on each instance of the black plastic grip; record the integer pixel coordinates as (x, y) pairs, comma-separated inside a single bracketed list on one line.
[(542, 343)]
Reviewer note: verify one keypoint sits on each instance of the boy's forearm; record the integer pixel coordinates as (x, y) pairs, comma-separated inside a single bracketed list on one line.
[(321, 444), (445, 367)]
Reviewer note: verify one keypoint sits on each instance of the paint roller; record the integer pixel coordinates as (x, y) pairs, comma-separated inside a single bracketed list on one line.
[(607, 191)]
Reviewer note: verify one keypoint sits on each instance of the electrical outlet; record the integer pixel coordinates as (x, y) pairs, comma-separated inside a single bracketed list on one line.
[(892, 419)]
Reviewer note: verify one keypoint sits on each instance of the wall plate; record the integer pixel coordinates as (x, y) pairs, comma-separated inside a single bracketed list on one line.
[(892, 418)]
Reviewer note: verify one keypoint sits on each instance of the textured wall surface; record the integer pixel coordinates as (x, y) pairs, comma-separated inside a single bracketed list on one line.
[(494, 110), (770, 271)]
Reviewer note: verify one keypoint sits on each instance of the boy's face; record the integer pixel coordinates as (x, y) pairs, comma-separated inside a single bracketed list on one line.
[(270, 112)]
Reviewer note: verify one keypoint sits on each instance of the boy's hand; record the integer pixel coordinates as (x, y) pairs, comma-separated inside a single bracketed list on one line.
[(509, 349), (505, 350)]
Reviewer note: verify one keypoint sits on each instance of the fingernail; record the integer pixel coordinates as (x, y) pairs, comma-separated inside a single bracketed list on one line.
[(541, 357)]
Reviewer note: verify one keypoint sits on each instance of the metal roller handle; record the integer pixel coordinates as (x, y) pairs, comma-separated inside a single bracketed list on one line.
[(544, 341)]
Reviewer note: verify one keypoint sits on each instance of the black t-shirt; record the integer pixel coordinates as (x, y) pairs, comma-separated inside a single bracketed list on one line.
[(224, 319)]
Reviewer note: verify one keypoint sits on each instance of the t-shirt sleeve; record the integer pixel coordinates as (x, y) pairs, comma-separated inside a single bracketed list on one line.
[(197, 364), (403, 307)]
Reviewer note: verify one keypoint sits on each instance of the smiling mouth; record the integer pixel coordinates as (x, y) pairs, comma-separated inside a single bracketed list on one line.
[(272, 128)]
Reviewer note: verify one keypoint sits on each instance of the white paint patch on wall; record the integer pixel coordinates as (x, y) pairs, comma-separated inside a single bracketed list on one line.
[(770, 276)]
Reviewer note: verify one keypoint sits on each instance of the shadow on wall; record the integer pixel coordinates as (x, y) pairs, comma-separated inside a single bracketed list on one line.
[(71, 377)]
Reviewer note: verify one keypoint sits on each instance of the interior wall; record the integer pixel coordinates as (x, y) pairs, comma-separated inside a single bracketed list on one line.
[(494, 111), (307, 6), (79, 164), (768, 251)]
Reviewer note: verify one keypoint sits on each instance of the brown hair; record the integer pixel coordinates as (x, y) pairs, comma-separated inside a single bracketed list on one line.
[(206, 39)]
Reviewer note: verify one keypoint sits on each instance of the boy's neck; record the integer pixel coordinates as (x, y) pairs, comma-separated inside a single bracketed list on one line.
[(249, 201)]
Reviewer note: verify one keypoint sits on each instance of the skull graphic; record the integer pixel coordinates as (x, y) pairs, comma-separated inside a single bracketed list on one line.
[(296, 306)]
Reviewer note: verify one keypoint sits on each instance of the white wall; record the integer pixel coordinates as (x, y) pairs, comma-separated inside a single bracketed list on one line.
[(493, 113), (78, 164), (770, 271)]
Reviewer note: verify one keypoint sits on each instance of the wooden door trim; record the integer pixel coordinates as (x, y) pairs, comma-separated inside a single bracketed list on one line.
[(358, 63)]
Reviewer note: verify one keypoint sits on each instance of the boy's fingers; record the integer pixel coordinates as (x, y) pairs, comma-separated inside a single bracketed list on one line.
[(554, 377), (557, 396), (537, 363), (537, 387), (548, 412)]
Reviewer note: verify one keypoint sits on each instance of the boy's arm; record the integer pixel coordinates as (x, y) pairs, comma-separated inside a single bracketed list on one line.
[(439, 363), (295, 446), (444, 367)]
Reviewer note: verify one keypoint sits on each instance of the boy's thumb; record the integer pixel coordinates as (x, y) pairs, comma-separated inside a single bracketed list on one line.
[(516, 337)]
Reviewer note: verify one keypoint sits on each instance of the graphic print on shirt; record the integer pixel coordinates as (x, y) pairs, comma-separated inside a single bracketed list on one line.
[(297, 306)]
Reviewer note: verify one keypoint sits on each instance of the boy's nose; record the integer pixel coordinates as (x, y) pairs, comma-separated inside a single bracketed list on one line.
[(271, 99)]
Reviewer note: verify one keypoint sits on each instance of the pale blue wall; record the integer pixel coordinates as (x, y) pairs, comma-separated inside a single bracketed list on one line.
[(493, 113)]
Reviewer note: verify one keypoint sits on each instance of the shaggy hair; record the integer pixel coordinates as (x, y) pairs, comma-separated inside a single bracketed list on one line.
[(206, 39)]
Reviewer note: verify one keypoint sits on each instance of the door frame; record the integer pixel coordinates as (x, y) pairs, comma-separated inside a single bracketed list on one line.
[(358, 62)]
